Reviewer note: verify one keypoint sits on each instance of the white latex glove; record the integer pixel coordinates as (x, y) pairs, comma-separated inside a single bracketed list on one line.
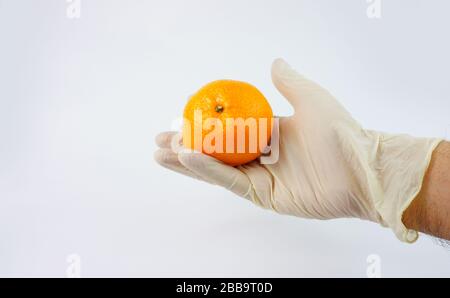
[(329, 166)]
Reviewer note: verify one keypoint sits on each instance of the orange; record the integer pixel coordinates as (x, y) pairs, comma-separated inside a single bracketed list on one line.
[(229, 120)]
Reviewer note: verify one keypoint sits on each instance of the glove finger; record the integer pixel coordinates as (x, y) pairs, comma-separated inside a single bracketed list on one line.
[(164, 139), (216, 172), (168, 159)]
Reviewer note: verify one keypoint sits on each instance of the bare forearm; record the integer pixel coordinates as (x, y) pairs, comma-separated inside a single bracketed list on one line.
[(430, 211)]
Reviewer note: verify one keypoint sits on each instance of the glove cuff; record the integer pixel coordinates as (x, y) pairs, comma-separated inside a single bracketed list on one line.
[(401, 164)]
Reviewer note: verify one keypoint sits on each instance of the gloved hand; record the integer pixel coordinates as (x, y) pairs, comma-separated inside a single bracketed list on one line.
[(329, 166)]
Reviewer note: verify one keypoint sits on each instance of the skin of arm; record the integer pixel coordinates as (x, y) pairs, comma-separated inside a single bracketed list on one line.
[(430, 211)]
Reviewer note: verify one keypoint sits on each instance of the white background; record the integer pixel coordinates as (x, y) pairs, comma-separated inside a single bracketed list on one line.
[(82, 99)]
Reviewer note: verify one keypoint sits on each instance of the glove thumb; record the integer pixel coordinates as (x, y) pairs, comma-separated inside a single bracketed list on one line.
[(305, 96)]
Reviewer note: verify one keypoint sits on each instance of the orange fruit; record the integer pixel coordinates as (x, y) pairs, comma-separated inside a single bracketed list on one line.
[(229, 120)]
